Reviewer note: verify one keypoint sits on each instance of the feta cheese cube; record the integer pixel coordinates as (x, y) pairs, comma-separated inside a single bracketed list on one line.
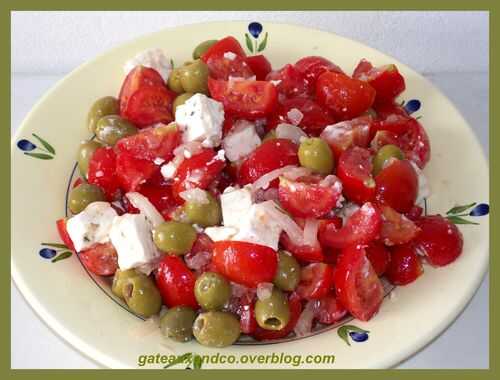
[(146, 208), (235, 204), (201, 119), (153, 58), (241, 141), (221, 233), (91, 226)]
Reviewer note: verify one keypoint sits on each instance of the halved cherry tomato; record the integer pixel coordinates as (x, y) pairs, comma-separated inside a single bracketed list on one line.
[(63, 233), (396, 228), (313, 66), (330, 310), (345, 96), (405, 266), (227, 44), (343, 135), (160, 196), (100, 259), (248, 99), (176, 282), (290, 82), (440, 240), (245, 263), (362, 227), (415, 143), (397, 186), (272, 154), (259, 65), (355, 171), (149, 105), (133, 172), (222, 68), (326, 226), (311, 196), (379, 257), (316, 281), (102, 169), (356, 284), (303, 253), (138, 77)]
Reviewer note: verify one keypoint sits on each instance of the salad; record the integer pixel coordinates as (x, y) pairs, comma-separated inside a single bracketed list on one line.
[(225, 197)]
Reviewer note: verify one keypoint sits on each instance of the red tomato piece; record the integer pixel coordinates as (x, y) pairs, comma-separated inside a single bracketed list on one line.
[(382, 138), (396, 228), (355, 171), (303, 253), (100, 259), (343, 135), (405, 266), (222, 68), (316, 281), (440, 241), (311, 196), (200, 257), (313, 66), (176, 282), (397, 186), (133, 172), (357, 286), (102, 172), (160, 196), (248, 323), (379, 257), (385, 110), (227, 44), (272, 154), (245, 263), (345, 96), (325, 226), (362, 227), (63, 233), (140, 76), (415, 213), (259, 65), (290, 83), (330, 310), (248, 99), (415, 143), (150, 105)]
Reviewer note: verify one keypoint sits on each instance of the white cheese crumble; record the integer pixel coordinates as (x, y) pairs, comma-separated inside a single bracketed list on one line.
[(241, 141), (158, 161), (235, 204), (221, 233), (295, 116), (152, 58), (229, 55)]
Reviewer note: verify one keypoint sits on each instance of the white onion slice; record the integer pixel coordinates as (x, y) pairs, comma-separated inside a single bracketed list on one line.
[(288, 225), (264, 290), (290, 132), (311, 232), (304, 324), (264, 181), (195, 195), (146, 208)]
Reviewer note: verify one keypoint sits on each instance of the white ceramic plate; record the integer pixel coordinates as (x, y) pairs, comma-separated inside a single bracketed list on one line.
[(69, 301)]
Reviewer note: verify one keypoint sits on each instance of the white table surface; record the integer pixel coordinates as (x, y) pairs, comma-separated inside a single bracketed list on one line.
[(463, 345)]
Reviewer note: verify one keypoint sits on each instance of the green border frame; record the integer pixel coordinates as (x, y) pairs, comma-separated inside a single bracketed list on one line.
[(5, 26)]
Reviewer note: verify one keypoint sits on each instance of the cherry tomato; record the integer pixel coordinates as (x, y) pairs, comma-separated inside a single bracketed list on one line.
[(245, 263), (102, 168), (248, 99), (313, 66), (248, 323), (316, 281), (160, 196), (396, 228), (63, 233), (326, 225), (346, 97), (405, 266), (227, 44), (415, 213), (415, 143), (222, 68), (379, 257), (133, 172), (272, 154), (356, 284), (311, 196), (138, 77), (100, 259), (343, 135), (440, 240), (330, 310), (355, 171), (303, 253), (176, 282), (362, 227), (290, 83), (149, 105), (397, 186), (259, 65), (382, 138)]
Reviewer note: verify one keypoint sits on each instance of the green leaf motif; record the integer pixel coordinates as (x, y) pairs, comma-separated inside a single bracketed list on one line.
[(248, 42), (45, 144), (459, 220), (342, 333), (263, 44), (197, 362), (185, 358), (355, 329), (62, 256), (459, 209), (41, 156), (55, 245)]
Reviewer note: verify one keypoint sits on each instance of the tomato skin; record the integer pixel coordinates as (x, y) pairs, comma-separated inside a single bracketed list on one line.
[(149, 105), (222, 68), (133, 172), (259, 65), (316, 281), (397, 186), (63, 233), (292, 83), (102, 172), (396, 228), (362, 227), (303, 253), (139, 76), (405, 266), (176, 282), (330, 310), (160, 196), (272, 154), (357, 286), (355, 171), (313, 66), (245, 263), (440, 240), (227, 44), (248, 99), (100, 259), (347, 98), (379, 257), (415, 143)]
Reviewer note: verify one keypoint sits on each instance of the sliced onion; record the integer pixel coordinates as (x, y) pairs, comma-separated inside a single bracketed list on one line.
[(195, 195), (264, 181), (264, 290), (199, 260), (146, 208), (240, 291), (305, 321), (311, 232), (290, 132), (266, 195), (191, 148), (288, 225), (295, 116), (296, 172)]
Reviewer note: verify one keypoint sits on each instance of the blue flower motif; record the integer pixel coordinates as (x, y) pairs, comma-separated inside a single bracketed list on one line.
[(47, 253), (412, 106), (26, 145), (480, 210), (255, 29), (358, 336)]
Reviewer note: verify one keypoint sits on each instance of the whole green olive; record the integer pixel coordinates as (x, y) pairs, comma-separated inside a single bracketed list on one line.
[(174, 81), (315, 154), (180, 100), (202, 48), (120, 278), (216, 329), (384, 154), (83, 195), (104, 106), (85, 152), (142, 296), (112, 128), (204, 214), (174, 237), (212, 291), (273, 312), (287, 275), (177, 323), (194, 77)]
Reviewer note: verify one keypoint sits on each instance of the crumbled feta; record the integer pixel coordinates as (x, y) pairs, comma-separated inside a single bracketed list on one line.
[(295, 116), (229, 55), (153, 58), (235, 204), (158, 161), (221, 233), (91, 226), (146, 208), (241, 141), (168, 170), (423, 185), (201, 119)]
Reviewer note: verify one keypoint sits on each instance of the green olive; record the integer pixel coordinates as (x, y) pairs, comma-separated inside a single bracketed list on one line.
[(174, 81), (174, 237), (212, 291), (202, 48), (83, 195), (204, 214), (269, 136), (287, 275), (194, 77), (216, 329), (181, 99), (85, 152), (102, 107), (177, 323), (273, 312), (315, 154), (384, 154), (142, 296), (119, 280), (112, 128)]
